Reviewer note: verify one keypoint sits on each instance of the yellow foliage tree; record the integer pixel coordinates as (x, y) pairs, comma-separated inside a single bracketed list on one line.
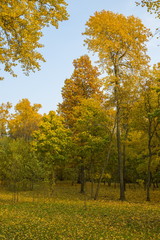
[(120, 44), (25, 121), (21, 24), (83, 84)]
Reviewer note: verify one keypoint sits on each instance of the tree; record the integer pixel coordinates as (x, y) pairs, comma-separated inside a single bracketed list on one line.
[(51, 142), (120, 44), (25, 121), (21, 24), (4, 118), (83, 84), (90, 136), (18, 165), (148, 103), (152, 6), (156, 77)]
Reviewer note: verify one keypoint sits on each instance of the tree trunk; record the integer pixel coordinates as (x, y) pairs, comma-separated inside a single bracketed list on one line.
[(148, 184), (92, 187), (149, 170), (124, 161), (120, 159), (105, 164), (119, 151), (52, 182), (82, 190), (98, 185)]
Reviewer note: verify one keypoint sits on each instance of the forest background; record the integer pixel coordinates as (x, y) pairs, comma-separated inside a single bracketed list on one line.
[(105, 129), (102, 143), (61, 47)]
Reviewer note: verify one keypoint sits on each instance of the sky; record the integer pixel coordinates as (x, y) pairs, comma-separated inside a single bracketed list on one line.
[(62, 46)]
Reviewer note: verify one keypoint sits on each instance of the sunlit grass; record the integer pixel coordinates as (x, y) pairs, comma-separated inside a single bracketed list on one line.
[(72, 216)]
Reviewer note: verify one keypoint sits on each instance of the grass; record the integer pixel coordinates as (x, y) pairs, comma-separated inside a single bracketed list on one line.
[(69, 215)]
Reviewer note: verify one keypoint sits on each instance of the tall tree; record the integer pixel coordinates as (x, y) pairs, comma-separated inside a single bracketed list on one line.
[(21, 24), (25, 121), (120, 44), (83, 84)]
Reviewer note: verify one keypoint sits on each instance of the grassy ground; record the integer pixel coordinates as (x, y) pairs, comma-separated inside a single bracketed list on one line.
[(72, 216)]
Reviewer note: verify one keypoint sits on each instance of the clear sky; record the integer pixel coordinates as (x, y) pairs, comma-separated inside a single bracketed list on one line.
[(64, 45)]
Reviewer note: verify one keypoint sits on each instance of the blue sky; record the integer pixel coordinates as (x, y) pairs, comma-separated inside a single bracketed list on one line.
[(64, 45)]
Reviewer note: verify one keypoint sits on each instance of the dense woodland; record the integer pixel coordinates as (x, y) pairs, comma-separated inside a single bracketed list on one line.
[(102, 142), (106, 129), (79, 142)]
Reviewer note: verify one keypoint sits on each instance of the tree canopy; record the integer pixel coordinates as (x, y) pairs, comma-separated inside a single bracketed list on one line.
[(21, 24), (84, 83), (25, 121), (152, 6), (120, 44)]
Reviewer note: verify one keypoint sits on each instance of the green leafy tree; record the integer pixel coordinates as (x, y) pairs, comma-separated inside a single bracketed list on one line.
[(91, 134), (19, 168), (149, 123), (51, 142)]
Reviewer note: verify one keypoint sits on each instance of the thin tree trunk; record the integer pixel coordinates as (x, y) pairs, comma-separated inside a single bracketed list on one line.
[(101, 175), (92, 187), (152, 127), (92, 177), (124, 155), (119, 151), (124, 161), (52, 182), (120, 159), (82, 190), (105, 164), (149, 164), (148, 180)]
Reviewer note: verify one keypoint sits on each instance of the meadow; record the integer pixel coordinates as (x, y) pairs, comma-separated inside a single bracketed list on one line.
[(69, 215)]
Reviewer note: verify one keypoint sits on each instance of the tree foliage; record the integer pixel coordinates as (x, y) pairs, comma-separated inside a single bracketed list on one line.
[(91, 132), (83, 84), (18, 165), (4, 117), (153, 6), (21, 24), (106, 129), (120, 44), (25, 120), (118, 40), (51, 139)]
